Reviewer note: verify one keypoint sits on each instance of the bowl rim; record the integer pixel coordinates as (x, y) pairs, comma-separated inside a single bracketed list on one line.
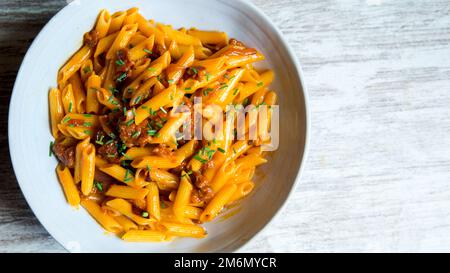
[(298, 72)]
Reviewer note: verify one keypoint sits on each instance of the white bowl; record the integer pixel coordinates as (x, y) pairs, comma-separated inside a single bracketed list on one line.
[(29, 133)]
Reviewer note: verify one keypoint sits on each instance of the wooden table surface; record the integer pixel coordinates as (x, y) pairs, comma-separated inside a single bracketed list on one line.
[(378, 172)]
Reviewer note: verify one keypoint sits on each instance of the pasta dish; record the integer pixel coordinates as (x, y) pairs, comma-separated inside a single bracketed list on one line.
[(158, 130)]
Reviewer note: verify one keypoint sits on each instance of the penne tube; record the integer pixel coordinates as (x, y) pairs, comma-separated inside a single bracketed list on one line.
[(137, 152), (78, 158), (242, 190), (250, 88), (122, 40), (105, 44), (142, 49), (153, 203), (166, 181), (86, 70), (87, 169), (144, 236), (56, 110), (216, 205), (126, 223), (106, 221), (183, 230), (210, 37), (117, 21), (93, 84), (68, 185), (79, 93), (182, 199), (68, 99), (160, 100), (126, 192), (154, 162), (125, 208), (107, 98), (73, 65), (103, 23)]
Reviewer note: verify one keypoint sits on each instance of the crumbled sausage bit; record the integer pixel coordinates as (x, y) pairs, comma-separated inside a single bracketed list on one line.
[(65, 154), (91, 38)]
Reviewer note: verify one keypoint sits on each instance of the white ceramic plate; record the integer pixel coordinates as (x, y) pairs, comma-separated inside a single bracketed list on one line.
[(29, 134)]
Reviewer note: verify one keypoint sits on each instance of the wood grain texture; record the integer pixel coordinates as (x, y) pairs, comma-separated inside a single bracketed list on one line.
[(377, 177)]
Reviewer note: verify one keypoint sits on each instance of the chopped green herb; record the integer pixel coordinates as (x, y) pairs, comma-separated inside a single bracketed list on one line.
[(188, 88), (88, 115), (151, 132), (120, 63), (70, 107), (145, 214), (124, 111), (72, 125), (130, 90), (149, 168), (88, 132), (131, 121), (163, 110), (122, 77), (127, 178), (65, 120), (98, 185), (208, 76), (136, 134), (234, 151), (207, 91), (87, 69), (221, 150), (260, 84), (163, 206), (87, 124), (170, 81), (112, 135), (137, 100), (151, 69), (50, 149), (194, 70), (245, 102), (235, 91), (133, 111), (113, 90), (159, 125), (223, 86), (148, 51), (203, 161)]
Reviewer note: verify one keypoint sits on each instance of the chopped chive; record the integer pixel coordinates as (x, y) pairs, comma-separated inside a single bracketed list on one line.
[(159, 125), (137, 100), (170, 81), (124, 111), (122, 77), (194, 70), (70, 107), (234, 151), (98, 185), (113, 90), (72, 125), (145, 214), (163, 206), (221, 150), (151, 132), (207, 91), (120, 63), (188, 88), (112, 135), (133, 111), (130, 90), (131, 121), (50, 150), (197, 157), (151, 69), (245, 102), (149, 168), (260, 84), (136, 134), (235, 91), (66, 120), (87, 124), (148, 51), (208, 76), (88, 132), (126, 178), (163, 110), (223, 86), (87, 115)]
